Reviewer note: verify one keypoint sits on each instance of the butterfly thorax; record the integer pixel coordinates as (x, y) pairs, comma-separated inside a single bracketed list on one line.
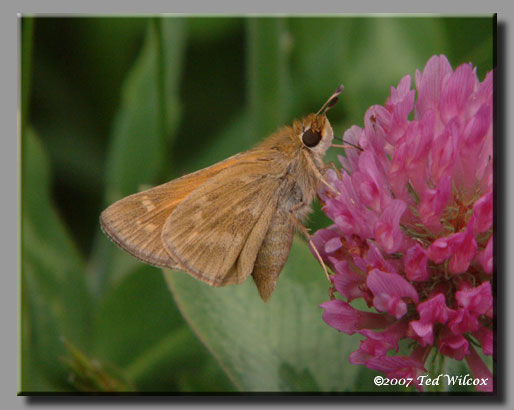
[(300, 164)]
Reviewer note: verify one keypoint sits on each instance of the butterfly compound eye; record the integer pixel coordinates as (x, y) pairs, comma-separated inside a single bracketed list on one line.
[(311, 138)]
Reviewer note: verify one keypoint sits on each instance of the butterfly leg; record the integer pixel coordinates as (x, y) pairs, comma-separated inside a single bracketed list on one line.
[(318, 174), (333, 166), (305, 232)]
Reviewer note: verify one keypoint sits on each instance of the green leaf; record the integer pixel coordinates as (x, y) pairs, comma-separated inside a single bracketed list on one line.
[(143, 131), (267, 75), (228, 142), (138, 330), (89, 375), (281, 345), (205, 30), (133, 316), (149, 97), (54, 298)]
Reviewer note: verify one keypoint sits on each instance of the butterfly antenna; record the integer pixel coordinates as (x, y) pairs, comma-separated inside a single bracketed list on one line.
[(331, 101)]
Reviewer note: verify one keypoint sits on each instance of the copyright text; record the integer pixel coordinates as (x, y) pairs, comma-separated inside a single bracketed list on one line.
[(426, 380)]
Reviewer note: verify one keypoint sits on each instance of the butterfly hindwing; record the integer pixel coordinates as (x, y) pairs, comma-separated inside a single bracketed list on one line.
[(216, 232)]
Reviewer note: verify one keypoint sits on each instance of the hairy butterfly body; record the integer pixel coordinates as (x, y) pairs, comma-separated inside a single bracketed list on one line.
[(235, 218)]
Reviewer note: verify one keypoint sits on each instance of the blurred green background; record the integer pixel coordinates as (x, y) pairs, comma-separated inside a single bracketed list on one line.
[(110, 105)]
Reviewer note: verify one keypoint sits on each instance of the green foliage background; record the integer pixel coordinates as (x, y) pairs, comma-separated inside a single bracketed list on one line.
[(113, 104)]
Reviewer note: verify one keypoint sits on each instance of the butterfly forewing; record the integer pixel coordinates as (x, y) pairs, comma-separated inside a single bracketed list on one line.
[(135, 223), (216, 232)]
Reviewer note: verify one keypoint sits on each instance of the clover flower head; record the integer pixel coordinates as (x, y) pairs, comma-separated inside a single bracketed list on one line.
[(412, 232)]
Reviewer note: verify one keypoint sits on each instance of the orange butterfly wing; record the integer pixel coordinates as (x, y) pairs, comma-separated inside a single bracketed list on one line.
[(217, 231), (135, 223)]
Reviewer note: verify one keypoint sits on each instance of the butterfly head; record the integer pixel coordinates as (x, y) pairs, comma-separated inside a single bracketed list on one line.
[(316, 133)]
